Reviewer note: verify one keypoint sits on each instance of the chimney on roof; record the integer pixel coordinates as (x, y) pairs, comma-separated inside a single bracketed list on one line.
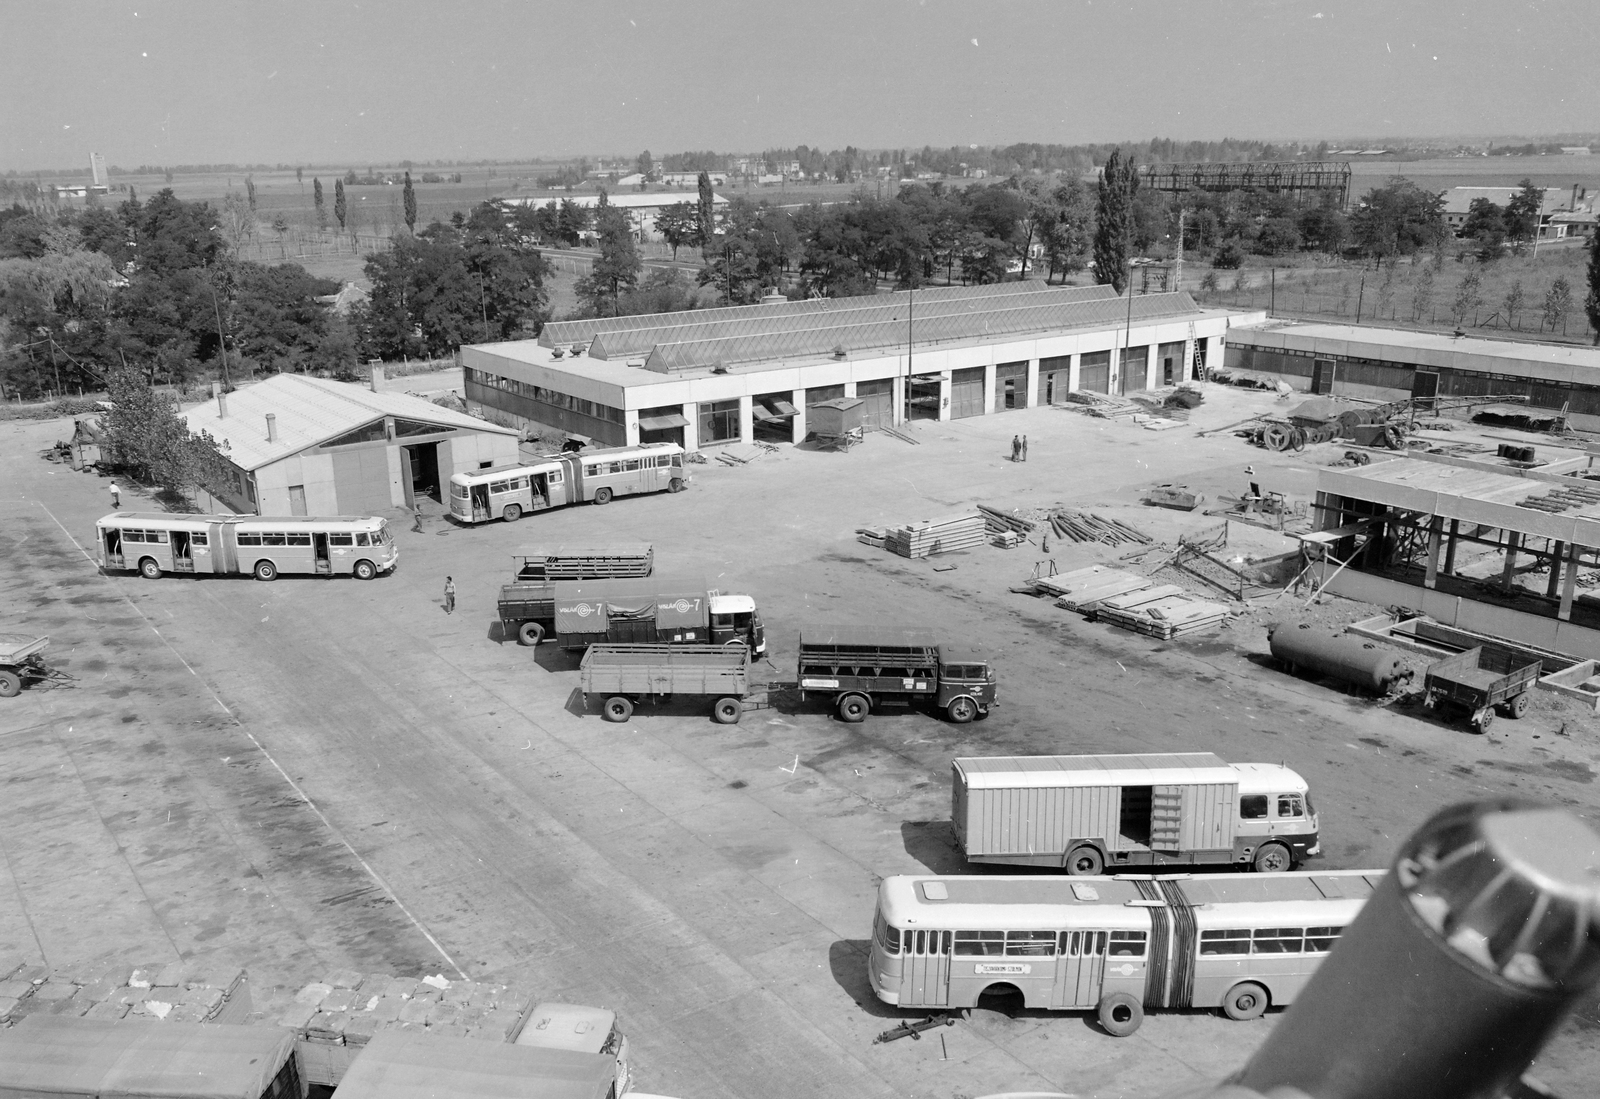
[(222, 400), (377, 378), (272, 428)]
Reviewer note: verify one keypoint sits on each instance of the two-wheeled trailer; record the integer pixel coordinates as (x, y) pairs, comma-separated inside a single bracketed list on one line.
[(1479, 681), (22, 662), (625, 675)]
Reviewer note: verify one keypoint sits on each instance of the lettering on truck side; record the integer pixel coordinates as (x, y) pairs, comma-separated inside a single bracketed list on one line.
[(819, 683)]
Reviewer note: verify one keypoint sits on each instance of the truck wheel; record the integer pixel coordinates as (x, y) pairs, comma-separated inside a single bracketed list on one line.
[(727, 711), (530, 633), (266, 571), (1120, 1014), (149, 569), (512, 513), (853, 708), (1482, 720), (10, 684), (1085, 861), (602, 496), (1246, 1000), (961, 710), (617, 708), (675, 485), (1272, 858), (1518, 706), (364, 570)]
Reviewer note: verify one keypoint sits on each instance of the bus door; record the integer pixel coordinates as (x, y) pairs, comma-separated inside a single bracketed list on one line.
[(539, 490), (926, 968), (319, 552), (480, 502), (1080, 969), (182, 552), (112, 538)]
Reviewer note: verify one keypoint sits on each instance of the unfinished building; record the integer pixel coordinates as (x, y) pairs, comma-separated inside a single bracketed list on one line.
[(1308, 183)]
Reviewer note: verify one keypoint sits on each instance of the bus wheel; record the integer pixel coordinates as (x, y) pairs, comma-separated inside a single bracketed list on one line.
[(512, 513), (10, 684), (1120, 1014), (617, 708), (266, 570), (1245, 1001), (602, 496), (727, 711), (149, 569), (961, 710), (853, 708), (675, 485), (1272, 858), (1084, 861), (364, 570), (530, 633)]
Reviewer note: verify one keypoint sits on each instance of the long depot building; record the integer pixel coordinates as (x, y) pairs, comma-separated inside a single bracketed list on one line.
[(739, 373)]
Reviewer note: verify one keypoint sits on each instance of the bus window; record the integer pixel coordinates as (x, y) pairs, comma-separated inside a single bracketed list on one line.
[(1225, 942), (1276, 940), (363, 539), (273, 538), (156, 536), (1320, 940), (1253, 807), (1127, 944), (249, 538), (1030, 944), (554, 477), (298, 539), (341, 540), (198, 538), (630, 466), (888, 937), (980, 944), (1099, 942), (944, 947), (1289, 806)]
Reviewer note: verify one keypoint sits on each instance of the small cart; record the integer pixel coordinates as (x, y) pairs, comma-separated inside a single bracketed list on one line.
[(22, 662), (1481, 680)]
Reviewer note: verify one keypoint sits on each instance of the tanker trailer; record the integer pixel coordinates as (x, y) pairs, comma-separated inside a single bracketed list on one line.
[(1364, 664)]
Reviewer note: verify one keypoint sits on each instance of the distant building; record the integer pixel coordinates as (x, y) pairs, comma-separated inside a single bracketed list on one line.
[(1575, 150), (641, 208), (97, 170), (692, 179), (349, 296), (1458, 205)]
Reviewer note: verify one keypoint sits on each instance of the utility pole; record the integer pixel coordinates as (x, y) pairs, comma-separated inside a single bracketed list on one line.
[(1177, 266), (911, 308), (222, 339)]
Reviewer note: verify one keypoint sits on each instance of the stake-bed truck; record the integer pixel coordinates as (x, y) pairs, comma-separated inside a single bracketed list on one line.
[(860, 668), (670, 610), (527, 604), (1095, 814), (627, 674)]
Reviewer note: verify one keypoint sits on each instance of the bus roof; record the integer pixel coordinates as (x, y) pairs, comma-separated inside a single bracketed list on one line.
[(417, 1065), (568, 1026), (66, 1055), (870, 637), (1146, 769), (156, 518)]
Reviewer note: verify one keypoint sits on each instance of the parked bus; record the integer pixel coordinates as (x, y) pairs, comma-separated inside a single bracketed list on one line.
[(243, 545), (510, 492), (1113, 945)]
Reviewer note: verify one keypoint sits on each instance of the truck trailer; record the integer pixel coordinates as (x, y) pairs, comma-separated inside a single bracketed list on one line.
[(1098, 814), (626, 674), (860, 668)]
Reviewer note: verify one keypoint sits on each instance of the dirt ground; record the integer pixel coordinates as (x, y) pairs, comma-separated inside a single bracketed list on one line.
[(306, 774)]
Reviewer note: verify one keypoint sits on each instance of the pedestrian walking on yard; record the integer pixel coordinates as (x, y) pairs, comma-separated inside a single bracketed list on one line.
[(1024, 448), (116, 497), (1016, 448), (449, 595)]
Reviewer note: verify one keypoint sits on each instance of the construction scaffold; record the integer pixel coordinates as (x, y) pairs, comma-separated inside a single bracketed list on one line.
[(1312, 181)]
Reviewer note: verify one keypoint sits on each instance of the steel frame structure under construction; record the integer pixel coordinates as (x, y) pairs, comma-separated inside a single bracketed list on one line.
[(1307, 181)]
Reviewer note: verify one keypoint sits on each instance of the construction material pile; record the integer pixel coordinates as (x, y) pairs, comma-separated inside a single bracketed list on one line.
[(179, 992), (739, 454), (1131, 602), (942, 535), (1083, 526), (1104, 405)]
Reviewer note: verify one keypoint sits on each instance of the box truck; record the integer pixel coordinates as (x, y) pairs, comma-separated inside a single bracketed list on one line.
[(1100, 814)]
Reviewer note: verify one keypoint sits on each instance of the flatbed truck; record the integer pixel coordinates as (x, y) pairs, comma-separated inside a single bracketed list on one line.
[(861, 668), (625, 675)]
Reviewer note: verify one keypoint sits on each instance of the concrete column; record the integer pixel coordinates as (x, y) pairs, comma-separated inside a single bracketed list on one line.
[(1510, 571), (630, 427), (1152, 366), (691, 434), (989, 399), (1033, 384), (1570, 587), (746, 418), (849, 389), (1557, 555), (797, 427), (944, 395), (1430, 579), (899, 397), (1075, 372), (1450, 550)]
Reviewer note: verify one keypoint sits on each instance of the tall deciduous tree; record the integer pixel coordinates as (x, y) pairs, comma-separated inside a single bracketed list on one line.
[(1397, 219), (616, 271), (1591, 300), (1558, 303), (317, 201), (708, 227), (339, 208), (409, 197), (679, 226), (1118, 184), (149, 438), (250, 191), (1469, 295), (1522, 212)]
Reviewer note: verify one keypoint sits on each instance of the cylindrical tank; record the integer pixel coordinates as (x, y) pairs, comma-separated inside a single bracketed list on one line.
[(1465, 959), (1353, 660)]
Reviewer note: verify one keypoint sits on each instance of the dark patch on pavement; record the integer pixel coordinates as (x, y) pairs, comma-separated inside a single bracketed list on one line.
[(738, 784)]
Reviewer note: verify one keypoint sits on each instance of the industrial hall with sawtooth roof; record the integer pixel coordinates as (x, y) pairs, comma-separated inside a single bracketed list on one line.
[(742, 373)]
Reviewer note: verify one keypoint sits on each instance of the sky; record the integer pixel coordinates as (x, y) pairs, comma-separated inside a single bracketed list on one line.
[(339, 83)]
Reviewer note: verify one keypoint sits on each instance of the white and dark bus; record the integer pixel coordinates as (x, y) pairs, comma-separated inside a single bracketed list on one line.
[(155, 544), (596, 476)]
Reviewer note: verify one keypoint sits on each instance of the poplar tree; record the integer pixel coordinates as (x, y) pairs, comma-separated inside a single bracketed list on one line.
[(317, 201), (704, 210), (1591, 302), (410, 199), (338, 202), (1117, 186)]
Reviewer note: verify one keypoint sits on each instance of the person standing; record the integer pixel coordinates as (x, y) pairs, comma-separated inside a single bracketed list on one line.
[(1016, 448), (116, 497), (1024, 448), (449, 595)]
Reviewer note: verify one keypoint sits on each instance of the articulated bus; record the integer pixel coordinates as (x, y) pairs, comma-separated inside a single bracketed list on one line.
[(510, 492), (245, 545), (1113, 945)]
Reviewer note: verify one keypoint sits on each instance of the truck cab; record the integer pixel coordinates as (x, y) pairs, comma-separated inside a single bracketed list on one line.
[(1276, 820), (966, 683), (735, 618), (579, 1029)]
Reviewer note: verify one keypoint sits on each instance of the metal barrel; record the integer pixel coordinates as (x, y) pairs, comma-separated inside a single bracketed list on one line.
[(1343, 656), (1466, 958)]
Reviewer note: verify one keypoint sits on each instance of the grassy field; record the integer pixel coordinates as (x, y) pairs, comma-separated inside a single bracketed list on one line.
[(1555, 172)]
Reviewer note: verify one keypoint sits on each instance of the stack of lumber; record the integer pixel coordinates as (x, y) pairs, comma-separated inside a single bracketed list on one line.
[(1083, 526), (1006, 539), (995, 521), (738, 454), (1104, 405), (1162, 612), (943, 535), (1082, 588), (871, 536)]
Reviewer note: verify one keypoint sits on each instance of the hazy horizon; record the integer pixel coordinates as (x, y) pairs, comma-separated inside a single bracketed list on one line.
[(347, 83)]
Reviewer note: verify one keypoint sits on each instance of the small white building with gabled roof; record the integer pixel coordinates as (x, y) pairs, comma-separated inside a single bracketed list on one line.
[(309, 446)]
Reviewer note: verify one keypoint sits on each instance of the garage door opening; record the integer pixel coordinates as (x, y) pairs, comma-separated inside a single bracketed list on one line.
[(421, 472), (922, 397)]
